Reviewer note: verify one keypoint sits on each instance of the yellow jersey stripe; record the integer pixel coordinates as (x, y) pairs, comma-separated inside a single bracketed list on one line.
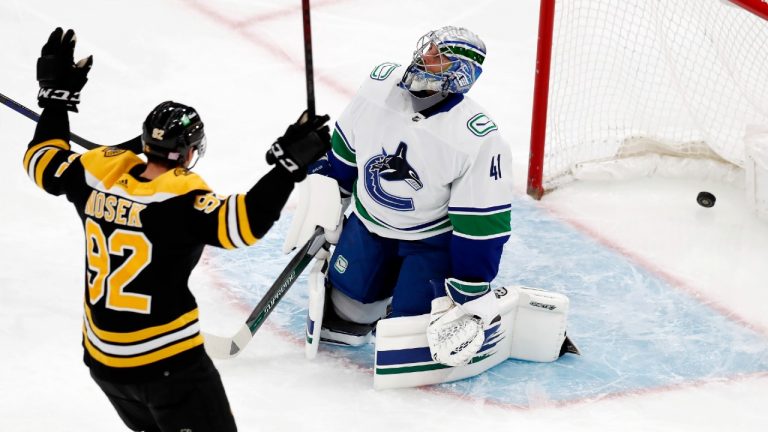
[(108, 169), (124, 350), (223, 237), (42, 164), (141, 360), (141, 335), (245, 226), (58, 143)]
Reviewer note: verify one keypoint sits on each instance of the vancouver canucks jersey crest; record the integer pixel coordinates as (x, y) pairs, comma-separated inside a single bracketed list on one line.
[(383, 169)]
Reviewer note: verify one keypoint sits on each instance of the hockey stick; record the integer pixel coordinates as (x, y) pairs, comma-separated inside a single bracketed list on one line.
[(224, 347), (227, 347), (132, 144), (309, 70)]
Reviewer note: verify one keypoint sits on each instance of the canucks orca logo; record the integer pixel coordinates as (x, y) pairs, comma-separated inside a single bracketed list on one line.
[(391, 168)]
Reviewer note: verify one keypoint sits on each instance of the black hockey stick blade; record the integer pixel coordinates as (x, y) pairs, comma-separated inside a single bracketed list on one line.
[(133, 144), (221, 347)]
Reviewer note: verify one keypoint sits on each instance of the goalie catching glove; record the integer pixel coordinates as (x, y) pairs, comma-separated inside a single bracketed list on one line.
[(303, 143), (60, 78), (457, 322)]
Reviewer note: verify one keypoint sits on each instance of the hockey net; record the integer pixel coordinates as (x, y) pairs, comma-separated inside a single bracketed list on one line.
[(645, 80)]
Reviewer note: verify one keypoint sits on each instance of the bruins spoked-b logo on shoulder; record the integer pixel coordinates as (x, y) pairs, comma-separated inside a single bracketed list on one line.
[(181, 171), (111, 151), (391, 168)]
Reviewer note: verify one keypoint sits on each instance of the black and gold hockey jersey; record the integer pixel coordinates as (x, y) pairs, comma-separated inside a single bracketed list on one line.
[(142, 240)]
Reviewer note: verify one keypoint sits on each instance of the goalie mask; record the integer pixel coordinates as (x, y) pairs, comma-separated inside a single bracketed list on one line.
[(447, 60), (170, 130)]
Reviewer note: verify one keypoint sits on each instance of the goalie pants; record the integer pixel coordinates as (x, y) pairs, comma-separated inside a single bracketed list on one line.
[(369, 268), (191, 399)]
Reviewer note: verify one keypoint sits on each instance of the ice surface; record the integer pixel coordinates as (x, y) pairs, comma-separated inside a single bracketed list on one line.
[(668, 300)]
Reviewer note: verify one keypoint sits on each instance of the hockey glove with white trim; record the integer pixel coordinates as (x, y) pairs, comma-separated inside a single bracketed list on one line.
[(60, 78), (303, 143)]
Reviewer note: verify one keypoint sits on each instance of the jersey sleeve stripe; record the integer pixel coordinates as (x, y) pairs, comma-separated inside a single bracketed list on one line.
[(29, 164), (144, 334), (481, 225), (31, 167), (42, 164), (223, 235), (245, 225), (54, 143), (477, 210), (232, 222), (481, 237)]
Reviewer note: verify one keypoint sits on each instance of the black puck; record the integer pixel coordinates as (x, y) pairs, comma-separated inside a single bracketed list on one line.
[(705, 199)]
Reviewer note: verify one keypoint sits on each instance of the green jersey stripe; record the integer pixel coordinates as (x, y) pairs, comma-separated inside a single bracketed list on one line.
[(481, 225), (341, 149)]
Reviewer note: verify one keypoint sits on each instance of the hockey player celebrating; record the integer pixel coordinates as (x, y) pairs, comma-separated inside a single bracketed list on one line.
[(430, 178), (145, 227)]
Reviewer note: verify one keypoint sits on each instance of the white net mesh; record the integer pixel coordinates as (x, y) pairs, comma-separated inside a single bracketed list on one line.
[(680, 77)]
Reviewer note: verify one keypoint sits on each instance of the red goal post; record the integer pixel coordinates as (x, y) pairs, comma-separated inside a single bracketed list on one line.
[(616, 79)]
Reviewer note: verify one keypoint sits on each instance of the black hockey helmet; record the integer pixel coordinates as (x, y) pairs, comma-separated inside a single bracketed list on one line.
[(170, 130)]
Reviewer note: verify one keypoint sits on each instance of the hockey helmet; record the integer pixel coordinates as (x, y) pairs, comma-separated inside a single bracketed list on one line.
[(170, 130), (447, 60)]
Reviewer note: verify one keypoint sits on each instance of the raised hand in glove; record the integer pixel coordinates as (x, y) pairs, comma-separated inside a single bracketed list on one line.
[(60, 78), (303, 143)]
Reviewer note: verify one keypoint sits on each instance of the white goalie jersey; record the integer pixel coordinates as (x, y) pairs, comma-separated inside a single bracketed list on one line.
[(414, 175)]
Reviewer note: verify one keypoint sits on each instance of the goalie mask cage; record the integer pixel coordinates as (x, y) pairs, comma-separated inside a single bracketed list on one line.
[(618, 79)]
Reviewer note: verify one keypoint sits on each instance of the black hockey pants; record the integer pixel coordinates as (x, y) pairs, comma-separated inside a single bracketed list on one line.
[(189, 400)]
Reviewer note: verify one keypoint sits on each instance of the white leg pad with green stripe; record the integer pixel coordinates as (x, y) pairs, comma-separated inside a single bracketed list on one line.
[(315, 309), (531, 326)]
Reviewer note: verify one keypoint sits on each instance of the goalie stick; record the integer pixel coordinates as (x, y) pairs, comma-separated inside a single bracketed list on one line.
[(133, 144), (221, 347)]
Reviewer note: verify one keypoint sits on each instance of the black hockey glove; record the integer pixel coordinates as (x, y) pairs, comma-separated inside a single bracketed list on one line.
[(303, 143), (60, 78)]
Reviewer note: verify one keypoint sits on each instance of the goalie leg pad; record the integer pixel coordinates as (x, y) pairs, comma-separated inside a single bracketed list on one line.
[(404, 359), (315, 308), (531, 326), (538, 332)]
